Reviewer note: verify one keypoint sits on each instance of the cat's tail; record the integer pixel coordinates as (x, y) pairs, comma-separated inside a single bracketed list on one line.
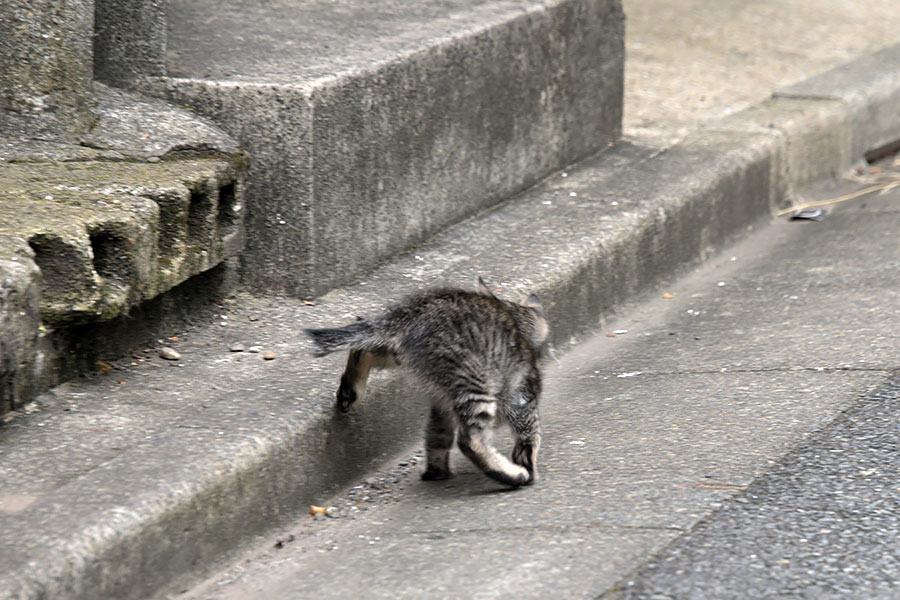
[(356, 336)]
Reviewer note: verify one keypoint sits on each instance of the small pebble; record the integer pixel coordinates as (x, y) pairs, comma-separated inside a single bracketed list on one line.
[(239, 347), (269, 355), (168, 353), (254, 349)]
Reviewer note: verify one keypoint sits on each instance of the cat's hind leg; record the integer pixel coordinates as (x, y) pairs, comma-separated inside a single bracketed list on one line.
[(439, 435), (353, 381), (476, 417), (524, 419)]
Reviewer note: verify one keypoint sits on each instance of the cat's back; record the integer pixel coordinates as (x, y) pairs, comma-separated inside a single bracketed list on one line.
[(448, 312), (456, 327)]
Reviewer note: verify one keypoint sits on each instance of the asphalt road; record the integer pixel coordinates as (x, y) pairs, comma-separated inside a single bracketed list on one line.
[(732, 437), (824, 523)]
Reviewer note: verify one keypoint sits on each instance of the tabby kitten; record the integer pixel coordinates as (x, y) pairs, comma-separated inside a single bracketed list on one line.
[(477, 356)]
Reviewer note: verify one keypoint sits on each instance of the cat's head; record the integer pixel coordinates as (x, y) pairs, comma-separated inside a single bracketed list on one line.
[(532, 320)]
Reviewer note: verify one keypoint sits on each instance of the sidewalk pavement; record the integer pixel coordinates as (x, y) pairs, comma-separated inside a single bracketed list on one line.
[(743, 430), (125, 484)]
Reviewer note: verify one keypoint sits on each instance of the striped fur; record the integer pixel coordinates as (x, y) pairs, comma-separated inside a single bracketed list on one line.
[(478, 357)]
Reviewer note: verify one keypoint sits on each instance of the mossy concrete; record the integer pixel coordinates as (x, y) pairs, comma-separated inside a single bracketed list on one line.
[(108, 235), (19, 322), (86, 241), (107, 198)]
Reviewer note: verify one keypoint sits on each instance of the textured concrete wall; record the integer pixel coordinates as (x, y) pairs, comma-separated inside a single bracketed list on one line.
[(109, 235), (130, 40), (19, 319), (104, 201), (46, 65), (366, 140)]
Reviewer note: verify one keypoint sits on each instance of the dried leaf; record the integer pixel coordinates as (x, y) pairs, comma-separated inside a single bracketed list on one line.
[(103, 366)]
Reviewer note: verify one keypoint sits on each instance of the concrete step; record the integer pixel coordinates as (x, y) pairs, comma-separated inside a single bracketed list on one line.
[(89, 231), (128, 483), (107, 198), (374, 125)]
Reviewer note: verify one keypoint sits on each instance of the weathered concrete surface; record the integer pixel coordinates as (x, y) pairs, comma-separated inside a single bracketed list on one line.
[(694, 61), (369, 139), (827, 123), (261, 434), (262, 453), (89, 240), (245, 442), (107, 235), (870, 88), (129, 40), (823, 523), (46, 67), (138, 127), (19, 321), (814, 138), (646, 434)]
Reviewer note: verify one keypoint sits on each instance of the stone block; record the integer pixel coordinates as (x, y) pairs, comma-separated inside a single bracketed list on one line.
[(46, 67), (107, 235), (19, 320), (129, 40), (368, 140)]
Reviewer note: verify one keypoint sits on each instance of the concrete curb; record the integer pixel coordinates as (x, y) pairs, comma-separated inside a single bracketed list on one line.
[(826, 123), (611, 228)]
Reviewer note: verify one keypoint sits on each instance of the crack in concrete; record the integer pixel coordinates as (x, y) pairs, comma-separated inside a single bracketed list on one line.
[(722, 371), (547, 527)]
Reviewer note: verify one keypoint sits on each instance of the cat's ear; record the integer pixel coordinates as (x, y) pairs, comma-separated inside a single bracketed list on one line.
[(483, 289), (534, 302)]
